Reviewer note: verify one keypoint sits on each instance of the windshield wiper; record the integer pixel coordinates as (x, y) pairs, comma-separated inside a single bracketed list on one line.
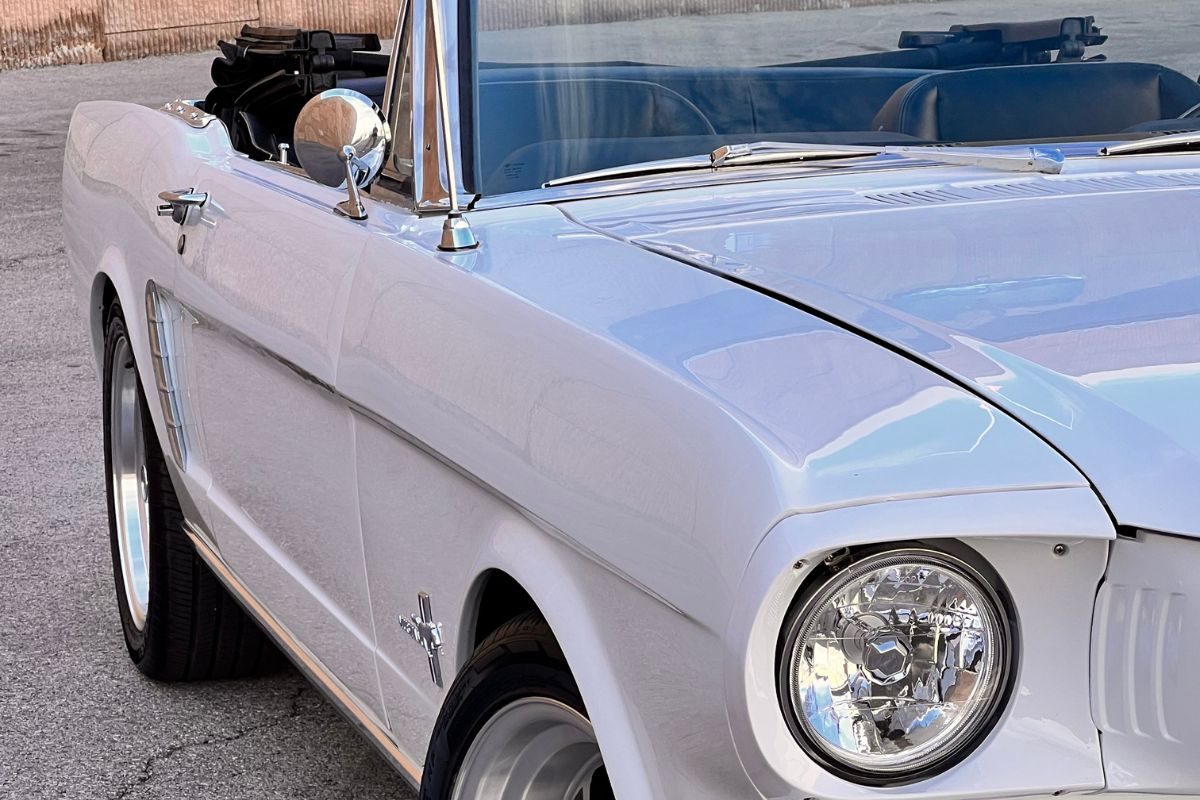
[(1186, 142), (726, 155), (1008, 159), (1046, 160), (783, 152)]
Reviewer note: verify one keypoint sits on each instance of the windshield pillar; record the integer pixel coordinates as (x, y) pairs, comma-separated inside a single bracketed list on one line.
[(418, 168)]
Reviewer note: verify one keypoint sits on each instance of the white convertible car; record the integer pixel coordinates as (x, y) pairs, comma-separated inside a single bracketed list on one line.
[(596, 403)]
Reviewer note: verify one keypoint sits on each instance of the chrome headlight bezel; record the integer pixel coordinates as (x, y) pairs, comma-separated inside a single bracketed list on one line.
[(836, 573)]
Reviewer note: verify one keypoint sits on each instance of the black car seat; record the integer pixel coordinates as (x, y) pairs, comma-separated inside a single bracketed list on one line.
[(1042, 101)]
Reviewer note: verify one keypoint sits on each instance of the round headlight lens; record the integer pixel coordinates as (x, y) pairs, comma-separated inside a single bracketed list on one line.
[(896, 663)]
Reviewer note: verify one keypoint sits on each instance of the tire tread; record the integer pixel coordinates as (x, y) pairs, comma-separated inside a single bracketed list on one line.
[(195, 629), (520, 658)]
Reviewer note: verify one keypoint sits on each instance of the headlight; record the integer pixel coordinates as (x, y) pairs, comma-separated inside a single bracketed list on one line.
[(895, 665)]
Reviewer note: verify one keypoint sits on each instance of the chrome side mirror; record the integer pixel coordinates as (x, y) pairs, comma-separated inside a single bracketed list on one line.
[(341, 139)]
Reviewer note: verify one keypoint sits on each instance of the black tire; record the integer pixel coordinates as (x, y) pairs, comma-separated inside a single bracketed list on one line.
[(194, 629), (520, 659)]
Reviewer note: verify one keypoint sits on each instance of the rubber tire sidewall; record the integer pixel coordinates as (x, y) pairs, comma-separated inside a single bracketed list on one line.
[(521, 660), (140, 643)]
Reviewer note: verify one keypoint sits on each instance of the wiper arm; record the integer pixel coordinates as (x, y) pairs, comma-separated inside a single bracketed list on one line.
[(1186, 142), (1046, 160), (1008, 159), (724, 156)]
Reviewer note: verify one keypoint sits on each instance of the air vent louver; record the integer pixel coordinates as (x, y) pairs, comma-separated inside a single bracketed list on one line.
[(1047, 187)]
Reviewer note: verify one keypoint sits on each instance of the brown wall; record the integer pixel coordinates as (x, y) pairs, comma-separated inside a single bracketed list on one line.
[(40, 32)]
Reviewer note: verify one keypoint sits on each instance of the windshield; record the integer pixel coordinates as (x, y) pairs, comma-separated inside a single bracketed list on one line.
[(573, 86)]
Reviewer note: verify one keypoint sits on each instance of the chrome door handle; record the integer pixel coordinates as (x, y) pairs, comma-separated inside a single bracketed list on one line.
[(176, 204)]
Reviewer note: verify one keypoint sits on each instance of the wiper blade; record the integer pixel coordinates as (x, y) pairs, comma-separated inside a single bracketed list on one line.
[(724, 156), (783, 152), (634, 170), (1008, 159), (1186, 142)]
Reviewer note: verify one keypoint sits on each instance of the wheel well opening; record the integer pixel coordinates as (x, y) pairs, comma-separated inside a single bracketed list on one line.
[(104, 297), (500, 599), (108, 294)]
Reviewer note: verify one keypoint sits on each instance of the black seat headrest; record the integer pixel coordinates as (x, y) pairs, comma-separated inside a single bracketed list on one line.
[(1043, 101)]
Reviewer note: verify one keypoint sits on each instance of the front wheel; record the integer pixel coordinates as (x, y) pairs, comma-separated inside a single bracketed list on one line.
[(179, 622), (514, 726)]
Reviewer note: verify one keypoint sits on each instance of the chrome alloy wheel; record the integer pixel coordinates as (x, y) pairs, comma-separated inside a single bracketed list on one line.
[(128, 453), (533, 749)]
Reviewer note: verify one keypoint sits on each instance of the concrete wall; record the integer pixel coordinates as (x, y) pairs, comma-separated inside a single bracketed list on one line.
[(40, 32)]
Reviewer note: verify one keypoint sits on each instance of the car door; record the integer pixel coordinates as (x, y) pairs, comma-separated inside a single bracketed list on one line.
[(265, 272)]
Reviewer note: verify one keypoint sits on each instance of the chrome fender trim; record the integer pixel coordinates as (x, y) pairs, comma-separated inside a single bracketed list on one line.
[(166, 378), (189, 111), (306, 662)]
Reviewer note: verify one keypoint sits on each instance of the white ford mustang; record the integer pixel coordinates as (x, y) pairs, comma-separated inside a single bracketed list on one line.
[(602, 407)]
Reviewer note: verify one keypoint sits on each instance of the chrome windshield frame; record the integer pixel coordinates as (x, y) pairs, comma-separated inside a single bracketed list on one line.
[(435, 160), (426, 190)]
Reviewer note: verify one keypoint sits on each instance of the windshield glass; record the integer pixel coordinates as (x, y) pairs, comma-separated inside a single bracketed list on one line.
[(571, 86)]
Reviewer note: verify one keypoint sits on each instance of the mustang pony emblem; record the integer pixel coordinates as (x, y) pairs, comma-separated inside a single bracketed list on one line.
[(427, 633)]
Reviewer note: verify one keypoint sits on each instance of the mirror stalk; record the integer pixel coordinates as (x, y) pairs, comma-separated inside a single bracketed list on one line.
[(352, 206)]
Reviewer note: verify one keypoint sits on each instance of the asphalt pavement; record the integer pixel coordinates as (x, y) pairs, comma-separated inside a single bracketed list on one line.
[(76, 719)]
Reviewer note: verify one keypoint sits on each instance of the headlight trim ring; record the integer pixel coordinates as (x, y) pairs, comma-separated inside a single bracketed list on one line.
[(824, 583)]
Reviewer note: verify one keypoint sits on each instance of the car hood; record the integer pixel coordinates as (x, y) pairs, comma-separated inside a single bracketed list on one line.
[(1071, 301)]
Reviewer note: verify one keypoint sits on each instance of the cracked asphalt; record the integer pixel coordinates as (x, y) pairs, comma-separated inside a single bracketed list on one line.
[(76, 719)]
